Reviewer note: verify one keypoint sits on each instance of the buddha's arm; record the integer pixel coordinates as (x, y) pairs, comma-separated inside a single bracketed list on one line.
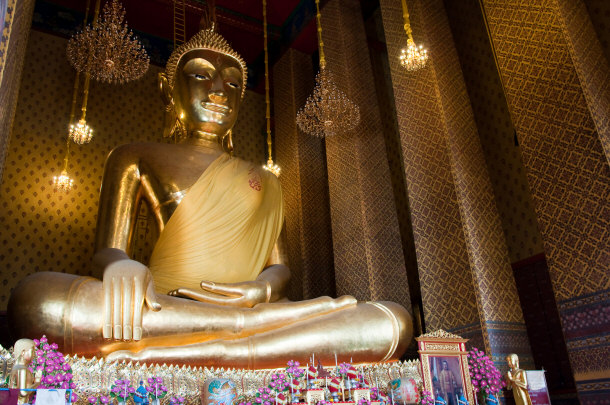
[(127, 284), (119, 197)]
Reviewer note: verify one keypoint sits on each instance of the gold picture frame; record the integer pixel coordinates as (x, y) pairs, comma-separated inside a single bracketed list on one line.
[(443, 356)]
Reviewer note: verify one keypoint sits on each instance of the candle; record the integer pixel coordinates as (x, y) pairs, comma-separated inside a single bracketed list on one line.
[(313, 359), (307, 374)]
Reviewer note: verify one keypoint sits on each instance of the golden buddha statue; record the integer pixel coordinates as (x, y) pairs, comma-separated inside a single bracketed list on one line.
[(516, 380), (21, 377), (213, 292)]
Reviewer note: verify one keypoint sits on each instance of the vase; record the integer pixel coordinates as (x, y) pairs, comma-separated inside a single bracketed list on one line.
[(155, 401)]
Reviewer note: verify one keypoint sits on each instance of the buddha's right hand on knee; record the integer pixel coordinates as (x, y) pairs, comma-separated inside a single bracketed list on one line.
[(128, 286)]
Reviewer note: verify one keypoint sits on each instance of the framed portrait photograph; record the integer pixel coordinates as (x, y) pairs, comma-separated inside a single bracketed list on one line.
[(444, 364)]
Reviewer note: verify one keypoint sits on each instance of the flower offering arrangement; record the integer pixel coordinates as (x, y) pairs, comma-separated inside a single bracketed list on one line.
[(485, 376), (56, 372)]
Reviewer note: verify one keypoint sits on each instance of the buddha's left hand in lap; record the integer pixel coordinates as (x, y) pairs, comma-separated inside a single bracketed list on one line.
[(268, 287)]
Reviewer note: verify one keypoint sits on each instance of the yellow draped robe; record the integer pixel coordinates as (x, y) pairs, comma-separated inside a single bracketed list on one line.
[(223, 230)]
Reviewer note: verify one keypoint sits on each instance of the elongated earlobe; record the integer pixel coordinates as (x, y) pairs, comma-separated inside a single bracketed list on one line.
[(165, 88)]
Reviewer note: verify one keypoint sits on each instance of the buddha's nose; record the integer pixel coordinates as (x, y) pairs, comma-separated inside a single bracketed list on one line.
[(218, 97)]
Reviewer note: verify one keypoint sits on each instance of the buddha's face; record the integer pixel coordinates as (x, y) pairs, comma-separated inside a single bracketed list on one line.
[(513, 361), (207, 91)]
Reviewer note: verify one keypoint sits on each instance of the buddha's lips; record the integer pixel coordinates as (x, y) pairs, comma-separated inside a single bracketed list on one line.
[(218, 108)]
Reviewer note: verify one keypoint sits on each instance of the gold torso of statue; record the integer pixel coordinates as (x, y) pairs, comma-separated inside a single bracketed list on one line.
[(213, 292), (516, 379)]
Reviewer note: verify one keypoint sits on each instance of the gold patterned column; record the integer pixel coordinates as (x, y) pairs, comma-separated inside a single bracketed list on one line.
[(15, 33), (466, 278), (369, 261), (304, 182), (562, 143)]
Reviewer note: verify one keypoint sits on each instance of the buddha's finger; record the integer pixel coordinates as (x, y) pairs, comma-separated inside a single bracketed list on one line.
[(228, 289), (205, 296), (116, 308), (138, 307), (107, 326), (127, 284)]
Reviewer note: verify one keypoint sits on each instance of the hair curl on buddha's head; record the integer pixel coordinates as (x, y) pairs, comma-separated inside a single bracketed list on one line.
[(204, 39)]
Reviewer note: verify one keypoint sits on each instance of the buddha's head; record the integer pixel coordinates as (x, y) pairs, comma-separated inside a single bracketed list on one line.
[(512, 360), (203, 86), (24, 350)]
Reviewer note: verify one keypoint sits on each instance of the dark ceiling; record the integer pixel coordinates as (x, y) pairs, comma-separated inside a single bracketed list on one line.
[(291, 23)]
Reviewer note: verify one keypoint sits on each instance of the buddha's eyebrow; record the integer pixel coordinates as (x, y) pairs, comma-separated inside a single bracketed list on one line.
[(231, 71), (198, 63)]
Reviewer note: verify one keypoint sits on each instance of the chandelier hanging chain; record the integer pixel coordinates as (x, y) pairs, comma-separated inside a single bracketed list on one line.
[(412, 57), (63, 182), (405, 16), (81, 132), (320, 41), (268, 107), (87, 74), (272, 167), (328, 111)]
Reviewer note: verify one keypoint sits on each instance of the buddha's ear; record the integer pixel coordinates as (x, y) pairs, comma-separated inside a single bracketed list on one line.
[(166, 91)]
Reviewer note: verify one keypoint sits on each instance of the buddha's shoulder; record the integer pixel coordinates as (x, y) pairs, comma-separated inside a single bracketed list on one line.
[(153, 154), (252, 177)]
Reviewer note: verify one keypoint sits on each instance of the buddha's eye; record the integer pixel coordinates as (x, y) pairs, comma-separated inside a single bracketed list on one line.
[(233, 85), (199, 76)]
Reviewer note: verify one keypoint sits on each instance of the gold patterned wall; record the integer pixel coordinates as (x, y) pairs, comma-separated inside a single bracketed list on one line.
[(17, 21), (47, 231), (562, 138), (304, 182), (567, 169), (448, 117), (496, 130), (249, 134), (369, 261)]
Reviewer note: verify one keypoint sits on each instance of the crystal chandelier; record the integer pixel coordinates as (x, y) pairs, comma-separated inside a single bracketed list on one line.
[(328, 110), (80, 133), (109, 51), (270, 166), (412, 57), (63, 182)]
